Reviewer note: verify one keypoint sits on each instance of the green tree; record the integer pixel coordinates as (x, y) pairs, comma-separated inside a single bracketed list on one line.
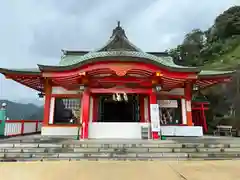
[(189, 52), (216, 44), (227, 24)]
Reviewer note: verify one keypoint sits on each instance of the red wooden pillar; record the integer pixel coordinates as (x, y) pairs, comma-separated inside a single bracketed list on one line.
[(85, 103), (95, 108), (48, 92), (188, 97), (204, 118), (141, 102), (153, 100)]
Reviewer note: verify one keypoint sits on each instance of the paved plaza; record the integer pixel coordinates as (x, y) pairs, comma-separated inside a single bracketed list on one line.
[(112, 170)]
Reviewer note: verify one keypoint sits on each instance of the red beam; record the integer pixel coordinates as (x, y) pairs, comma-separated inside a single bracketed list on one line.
[(120, 79), (67, 95), (205, 103), (199, 108), (11, 76), (172, 96), (120, 90), (117, 65)]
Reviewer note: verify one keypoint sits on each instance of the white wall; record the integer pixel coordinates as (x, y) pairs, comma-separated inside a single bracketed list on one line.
[(116, 130), (59, 131), (29, 127), (122, 131), (195, 131)]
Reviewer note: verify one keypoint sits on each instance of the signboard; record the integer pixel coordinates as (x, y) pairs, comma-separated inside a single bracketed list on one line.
[(188, 105), (168, 103), (154, 114)]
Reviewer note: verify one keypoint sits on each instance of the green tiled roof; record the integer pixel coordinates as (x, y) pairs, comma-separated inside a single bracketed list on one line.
[(23, 71), (199, 98), (214, 73), (120, 47), (165, 61)]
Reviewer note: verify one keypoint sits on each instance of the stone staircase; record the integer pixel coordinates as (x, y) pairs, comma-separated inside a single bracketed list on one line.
[(65, 149)]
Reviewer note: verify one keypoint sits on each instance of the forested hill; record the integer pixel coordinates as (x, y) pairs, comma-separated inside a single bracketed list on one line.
[(217, 47), (18, 111)]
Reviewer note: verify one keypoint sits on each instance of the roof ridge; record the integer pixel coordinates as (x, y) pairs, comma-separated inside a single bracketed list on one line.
[(118, 41)]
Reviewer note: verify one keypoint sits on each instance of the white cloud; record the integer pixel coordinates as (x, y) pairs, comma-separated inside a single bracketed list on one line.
[(34, 31)]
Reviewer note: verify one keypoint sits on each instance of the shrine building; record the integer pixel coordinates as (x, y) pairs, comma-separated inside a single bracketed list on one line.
[(117, 91)]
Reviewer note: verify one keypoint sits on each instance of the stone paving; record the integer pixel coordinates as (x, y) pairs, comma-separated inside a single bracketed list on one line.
[(102, 170)]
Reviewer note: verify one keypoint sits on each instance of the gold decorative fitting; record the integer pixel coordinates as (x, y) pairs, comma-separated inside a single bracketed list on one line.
[(82, 73), (158, 74)]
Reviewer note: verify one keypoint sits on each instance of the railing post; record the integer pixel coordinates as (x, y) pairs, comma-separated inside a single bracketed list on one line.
[(22, 127), (36, 126)]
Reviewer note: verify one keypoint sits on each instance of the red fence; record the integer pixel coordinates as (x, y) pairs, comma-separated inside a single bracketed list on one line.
[(21, 127)]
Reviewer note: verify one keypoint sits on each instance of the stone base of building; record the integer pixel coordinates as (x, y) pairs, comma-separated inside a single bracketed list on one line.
[(123, 131)]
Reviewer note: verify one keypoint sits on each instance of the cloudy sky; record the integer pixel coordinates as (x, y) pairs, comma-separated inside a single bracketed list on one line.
[(34, 31)]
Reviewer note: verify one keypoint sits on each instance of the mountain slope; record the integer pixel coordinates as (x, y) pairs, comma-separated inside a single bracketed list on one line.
[(227, 61), (17, 111)]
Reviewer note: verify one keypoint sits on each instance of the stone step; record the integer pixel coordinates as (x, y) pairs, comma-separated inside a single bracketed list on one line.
[(59, 149), (104, 150), (98, 145), (117, 155)]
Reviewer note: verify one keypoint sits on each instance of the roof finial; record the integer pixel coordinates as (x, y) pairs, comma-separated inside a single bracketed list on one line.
[(118, 24)]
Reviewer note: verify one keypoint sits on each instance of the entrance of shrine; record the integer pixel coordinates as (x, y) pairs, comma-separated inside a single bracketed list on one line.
[(118, 108), (118, 117)]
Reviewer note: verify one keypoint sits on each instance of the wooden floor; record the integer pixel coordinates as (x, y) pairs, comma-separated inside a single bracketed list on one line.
[(107, 170)]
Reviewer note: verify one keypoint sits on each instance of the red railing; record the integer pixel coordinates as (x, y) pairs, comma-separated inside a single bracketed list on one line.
[(21, 127)]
